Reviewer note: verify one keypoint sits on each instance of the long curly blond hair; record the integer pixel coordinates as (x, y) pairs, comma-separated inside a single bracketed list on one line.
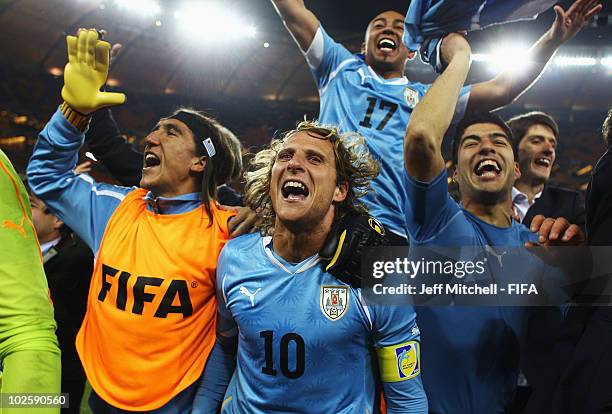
[(354, 165)]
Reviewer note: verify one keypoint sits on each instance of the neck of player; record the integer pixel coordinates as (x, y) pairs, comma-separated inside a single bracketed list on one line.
[(497, 214), (297, 244), (529, 187), (390, 74)]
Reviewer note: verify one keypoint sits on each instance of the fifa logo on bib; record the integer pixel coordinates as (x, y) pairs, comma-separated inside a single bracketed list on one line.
[(142, 290), (334, 301)]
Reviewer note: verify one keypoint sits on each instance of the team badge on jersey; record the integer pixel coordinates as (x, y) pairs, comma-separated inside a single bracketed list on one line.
[(412, 97), (334, 301)]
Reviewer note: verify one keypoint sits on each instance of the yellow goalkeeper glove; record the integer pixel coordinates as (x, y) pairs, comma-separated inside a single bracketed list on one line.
[(86, 72)]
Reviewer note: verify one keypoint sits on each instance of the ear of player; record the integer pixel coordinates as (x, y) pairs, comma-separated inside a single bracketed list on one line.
[(345, 246), (86, 73)]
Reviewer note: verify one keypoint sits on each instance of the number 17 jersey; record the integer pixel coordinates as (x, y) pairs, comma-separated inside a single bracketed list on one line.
[(307, 341), (357, 99)]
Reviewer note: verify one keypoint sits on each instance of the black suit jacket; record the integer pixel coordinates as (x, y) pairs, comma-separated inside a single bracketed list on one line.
[(68, 267), (539, 363), (558, 202), (586, 385)]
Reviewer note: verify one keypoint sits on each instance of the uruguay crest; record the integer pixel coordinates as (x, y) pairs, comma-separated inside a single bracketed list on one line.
[(412, 97), (334, 301)]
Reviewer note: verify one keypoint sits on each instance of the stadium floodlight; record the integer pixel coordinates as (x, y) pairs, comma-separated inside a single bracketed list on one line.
[(55, 71), (514, 57), (212, 21), (143, 8), (481, 57), (607, 61), (575, 61)]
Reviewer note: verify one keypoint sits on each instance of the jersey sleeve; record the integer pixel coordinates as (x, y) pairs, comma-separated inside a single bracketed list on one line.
[(398, 348), (222, 360), (82, 203), (324, 57), (226, 326), (464, 96), (429, 207)]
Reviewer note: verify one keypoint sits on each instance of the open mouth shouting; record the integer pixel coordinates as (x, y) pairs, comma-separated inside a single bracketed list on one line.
[(543, 162), (386, 44), (293, 191), (487, 169), (150, 160)]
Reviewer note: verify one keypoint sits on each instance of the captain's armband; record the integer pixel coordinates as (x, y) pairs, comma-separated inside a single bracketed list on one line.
[(399, 362)]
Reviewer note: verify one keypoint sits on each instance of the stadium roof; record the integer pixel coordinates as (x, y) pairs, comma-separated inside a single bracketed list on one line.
[(158, 56)]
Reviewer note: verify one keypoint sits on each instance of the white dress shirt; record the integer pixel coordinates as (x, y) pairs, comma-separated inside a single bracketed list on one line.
[(520, 202)]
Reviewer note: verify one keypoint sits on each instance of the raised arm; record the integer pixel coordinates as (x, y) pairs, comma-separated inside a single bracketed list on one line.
[(301, 22), (509, 85), (84, 205), (433, 114), (105, 141)]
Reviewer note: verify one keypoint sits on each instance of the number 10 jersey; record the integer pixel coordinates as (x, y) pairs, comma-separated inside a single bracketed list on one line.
[(307, 341)]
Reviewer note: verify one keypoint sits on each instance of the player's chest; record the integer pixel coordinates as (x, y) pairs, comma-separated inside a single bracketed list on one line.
[(314, 307)]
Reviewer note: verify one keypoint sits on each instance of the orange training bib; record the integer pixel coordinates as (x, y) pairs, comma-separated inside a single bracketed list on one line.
[(151, 313)]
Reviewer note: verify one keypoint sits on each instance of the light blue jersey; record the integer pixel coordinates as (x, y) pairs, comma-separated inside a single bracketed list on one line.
[(356, 98), (470, 354), (308, 342)]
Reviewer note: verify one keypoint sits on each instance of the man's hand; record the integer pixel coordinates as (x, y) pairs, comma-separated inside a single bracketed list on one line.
[(83, 168), (568, 23), (556, 232), (452, 44), (576, 263), (243, 222), (86, 72)]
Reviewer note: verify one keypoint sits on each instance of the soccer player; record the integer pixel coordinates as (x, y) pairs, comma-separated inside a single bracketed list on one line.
[(306, 340), (470, 357), (29, 354), (149, 326), (368, 93)]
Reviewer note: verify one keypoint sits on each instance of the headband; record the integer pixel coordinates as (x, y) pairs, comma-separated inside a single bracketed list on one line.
[(198, 129)]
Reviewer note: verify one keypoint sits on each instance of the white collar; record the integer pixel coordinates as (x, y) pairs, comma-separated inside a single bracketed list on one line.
[(306, 264), (45, 247), (395, 81), (516, 193)]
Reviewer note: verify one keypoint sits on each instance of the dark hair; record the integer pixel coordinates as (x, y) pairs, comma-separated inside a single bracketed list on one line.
[(605, 129), (480, 118), (520, 124), (219, 168)]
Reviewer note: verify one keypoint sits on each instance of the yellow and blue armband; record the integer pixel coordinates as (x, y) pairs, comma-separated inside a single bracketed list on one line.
[(399, 362)]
